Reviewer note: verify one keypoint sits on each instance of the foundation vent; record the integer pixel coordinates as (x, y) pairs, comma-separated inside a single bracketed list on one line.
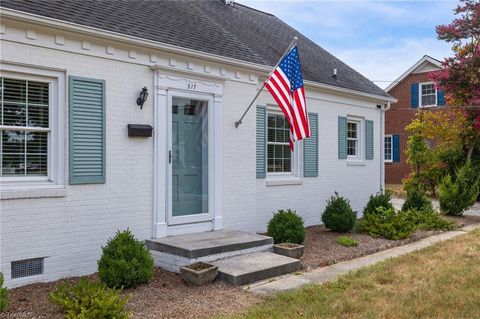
[(27, 267)]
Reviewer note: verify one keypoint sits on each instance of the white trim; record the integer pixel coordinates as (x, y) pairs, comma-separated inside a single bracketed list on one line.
[(359, 149), (168, 85), (419, 63), (109, 35), (391, 148), (55, 159), (420, 95)]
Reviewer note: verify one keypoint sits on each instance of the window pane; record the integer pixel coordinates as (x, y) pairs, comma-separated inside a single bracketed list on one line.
[(14, 90), (428, 100), (37, 93), (13, 142), (352, 130), (37, 115), (352, 147), (14, 114), (13, 164)]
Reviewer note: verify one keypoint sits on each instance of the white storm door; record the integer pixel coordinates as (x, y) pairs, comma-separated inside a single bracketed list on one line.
[(190, 154)]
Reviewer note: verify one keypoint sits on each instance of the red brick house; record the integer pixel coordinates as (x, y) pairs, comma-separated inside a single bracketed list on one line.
[(413, 90)]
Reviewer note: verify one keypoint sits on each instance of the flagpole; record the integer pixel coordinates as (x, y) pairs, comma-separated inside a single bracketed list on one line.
[(293, 43)]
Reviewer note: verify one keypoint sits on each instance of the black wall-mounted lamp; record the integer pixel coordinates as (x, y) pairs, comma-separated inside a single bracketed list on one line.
[(142, 97)]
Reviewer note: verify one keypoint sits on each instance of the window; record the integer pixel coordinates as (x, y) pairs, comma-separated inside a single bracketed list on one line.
[(24, 127), (428, 94), (353, 138), (388, 148), (279, 156), (32, 120)]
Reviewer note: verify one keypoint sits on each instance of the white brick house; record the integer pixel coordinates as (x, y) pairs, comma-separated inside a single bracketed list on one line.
[(71, 176)]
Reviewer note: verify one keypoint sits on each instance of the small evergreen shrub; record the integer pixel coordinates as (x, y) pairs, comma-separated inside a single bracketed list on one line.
[(428, 219), (387, 223), (338, 215), (390, 224), (378, 200), (286, 226), (3, 295), (125, 262), (417, 199), (90, 300), (459, 195), (347, 241)]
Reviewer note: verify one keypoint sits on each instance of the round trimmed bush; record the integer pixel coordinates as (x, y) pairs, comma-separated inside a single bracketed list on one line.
[(125, 262), (338, 215), (416, 199), (286, 226), (378, 200)]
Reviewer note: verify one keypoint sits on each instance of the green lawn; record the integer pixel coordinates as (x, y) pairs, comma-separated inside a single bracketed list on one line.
[(442, 281)]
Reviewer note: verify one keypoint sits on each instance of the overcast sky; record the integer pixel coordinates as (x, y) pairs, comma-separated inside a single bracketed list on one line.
[(380, 39)]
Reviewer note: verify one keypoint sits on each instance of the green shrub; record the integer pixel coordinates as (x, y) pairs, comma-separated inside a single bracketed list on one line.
[(338, 215), (347, 241), (417, 199), (125, 262), (286, 226), (90, 300), (3, 295), (378, 200), (428, 219), (459, 195), (387, 223)]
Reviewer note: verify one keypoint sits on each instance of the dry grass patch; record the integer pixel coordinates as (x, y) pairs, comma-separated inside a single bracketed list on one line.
[(441, 281)]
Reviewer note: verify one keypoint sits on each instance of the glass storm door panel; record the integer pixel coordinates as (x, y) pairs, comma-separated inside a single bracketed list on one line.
[(189, 157)]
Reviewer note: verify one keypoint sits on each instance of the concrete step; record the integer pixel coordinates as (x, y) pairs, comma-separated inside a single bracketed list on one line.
[(172, 252), (198, 245), (245, 269)]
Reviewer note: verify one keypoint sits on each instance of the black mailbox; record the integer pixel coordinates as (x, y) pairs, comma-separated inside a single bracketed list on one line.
[(139, 130)]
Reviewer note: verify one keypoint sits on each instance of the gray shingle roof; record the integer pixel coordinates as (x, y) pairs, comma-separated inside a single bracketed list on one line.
[(237, 32)]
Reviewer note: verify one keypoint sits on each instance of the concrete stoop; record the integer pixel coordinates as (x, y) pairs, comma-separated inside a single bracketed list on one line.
[(246, 269), (242, 257)]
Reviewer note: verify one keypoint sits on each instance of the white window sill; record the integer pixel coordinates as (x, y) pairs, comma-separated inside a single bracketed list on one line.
[(283, 181), (355, 163), (37, 191)]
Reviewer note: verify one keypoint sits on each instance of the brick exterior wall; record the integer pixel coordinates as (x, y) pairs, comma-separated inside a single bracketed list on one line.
[(69, 229), (397, 118)]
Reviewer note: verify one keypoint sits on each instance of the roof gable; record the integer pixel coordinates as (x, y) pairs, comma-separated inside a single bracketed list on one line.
[(237, 32), (425, 64)]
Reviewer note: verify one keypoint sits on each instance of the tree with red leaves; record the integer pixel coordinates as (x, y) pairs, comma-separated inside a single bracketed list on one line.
[(460, 75)]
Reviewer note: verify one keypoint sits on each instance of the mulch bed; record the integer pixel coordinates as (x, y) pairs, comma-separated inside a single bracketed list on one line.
[(322, 249), (168, 296)]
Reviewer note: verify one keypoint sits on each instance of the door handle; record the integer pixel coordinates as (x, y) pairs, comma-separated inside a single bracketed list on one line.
[(170, 156)]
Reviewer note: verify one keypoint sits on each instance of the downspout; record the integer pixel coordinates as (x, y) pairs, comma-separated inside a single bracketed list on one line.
[(383, 109)]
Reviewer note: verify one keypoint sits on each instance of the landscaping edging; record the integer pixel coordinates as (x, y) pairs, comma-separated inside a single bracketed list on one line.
[(324, 274)]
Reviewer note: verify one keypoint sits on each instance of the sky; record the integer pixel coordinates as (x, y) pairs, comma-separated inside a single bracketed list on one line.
[(379, 39)]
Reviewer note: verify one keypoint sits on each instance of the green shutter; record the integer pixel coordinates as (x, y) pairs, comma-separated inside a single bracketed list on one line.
[(369, 140), (87, 130), (261, 141), (342, 137), (310, 148)]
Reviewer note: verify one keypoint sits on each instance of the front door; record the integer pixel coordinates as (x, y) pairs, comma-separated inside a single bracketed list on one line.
[(188, 159)]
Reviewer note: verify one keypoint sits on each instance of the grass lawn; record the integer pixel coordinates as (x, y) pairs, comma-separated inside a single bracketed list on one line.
[(442, 281)]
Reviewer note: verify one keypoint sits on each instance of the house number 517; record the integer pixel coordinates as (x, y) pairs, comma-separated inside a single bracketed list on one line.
[(192, 86)]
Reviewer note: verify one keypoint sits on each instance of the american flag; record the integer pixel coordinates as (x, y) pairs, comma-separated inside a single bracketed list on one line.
[(286, 86)]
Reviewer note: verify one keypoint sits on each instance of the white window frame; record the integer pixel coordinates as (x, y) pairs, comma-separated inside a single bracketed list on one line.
[(390, 136), (56, 129), (421, 84), (284, 178), (359, 154)]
